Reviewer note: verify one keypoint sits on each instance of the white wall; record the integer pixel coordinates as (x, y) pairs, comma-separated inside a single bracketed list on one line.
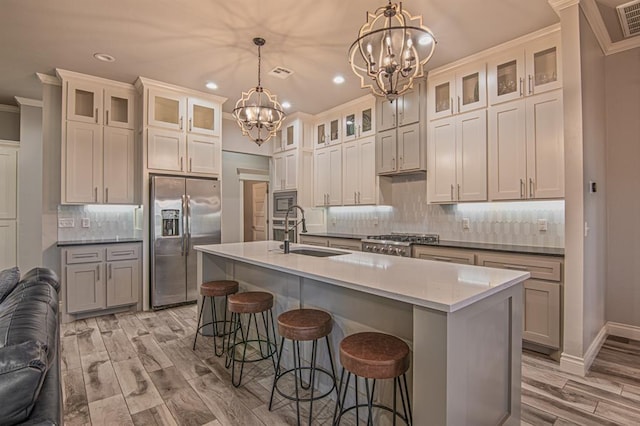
[(30, 186), (623, 187), (232, 203), (594, 135)]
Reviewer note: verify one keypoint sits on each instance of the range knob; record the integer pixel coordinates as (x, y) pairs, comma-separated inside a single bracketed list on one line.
[(383, 249), (403, 252), (375, 249)]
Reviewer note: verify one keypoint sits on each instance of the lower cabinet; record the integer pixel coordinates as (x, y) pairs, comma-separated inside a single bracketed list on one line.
[(339, 243), (99, 277), (542, 293)]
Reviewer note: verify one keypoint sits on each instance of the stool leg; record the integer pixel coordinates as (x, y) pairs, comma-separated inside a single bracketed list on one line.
[(333, 370), (213, 321), (216, 334), (369, 403), (296, 372), (195, 339), (276, 376), (357, 409), (337, 413), (396, 383), (265, 320), (407, 410), (312, 375)]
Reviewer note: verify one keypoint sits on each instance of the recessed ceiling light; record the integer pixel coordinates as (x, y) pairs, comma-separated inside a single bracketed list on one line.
[(338, 79), (286, 105), (211, 85), (104, 57)]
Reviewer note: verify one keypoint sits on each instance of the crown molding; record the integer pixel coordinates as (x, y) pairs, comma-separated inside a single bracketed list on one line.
[(66, 75), (142, 82), (559, 5), (49, 79), (28, 102), (9, 108)]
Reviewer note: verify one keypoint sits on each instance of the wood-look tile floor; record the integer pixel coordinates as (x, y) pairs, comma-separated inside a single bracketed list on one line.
[(139, 369)]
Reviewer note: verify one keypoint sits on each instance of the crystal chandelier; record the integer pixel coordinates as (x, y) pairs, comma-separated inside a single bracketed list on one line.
[(258, 112), (390, 51)]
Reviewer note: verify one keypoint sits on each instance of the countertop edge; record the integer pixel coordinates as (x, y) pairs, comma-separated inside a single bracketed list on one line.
[(71, 243)]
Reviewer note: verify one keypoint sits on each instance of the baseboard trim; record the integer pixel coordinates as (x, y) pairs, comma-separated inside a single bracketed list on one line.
[(594, 347), (623, 330), (572, 364)]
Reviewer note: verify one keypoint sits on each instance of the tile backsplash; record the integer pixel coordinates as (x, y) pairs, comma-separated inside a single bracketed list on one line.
[(105, 221), (502, 223)]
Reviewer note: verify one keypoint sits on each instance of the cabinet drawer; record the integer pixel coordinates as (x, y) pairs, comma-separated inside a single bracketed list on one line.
[(84, 255), (123, 252), (347, 244), (314, 241), (540, 268), (444, 255)]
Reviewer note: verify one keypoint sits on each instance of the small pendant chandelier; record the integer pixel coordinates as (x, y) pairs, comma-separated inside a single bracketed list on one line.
[(258, 112), (391, 50)]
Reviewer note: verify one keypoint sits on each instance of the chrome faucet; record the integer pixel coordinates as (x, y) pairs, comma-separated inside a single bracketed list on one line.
[(287, 229)]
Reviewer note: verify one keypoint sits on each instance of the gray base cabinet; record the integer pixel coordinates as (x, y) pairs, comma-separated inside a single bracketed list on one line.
[(542, 295), (100, 277), (339, 243)]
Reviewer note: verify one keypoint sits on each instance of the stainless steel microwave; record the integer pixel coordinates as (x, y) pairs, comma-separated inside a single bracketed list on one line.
[(282, 201)]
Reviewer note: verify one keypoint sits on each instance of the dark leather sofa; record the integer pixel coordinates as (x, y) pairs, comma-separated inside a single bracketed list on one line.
[(30, 386)]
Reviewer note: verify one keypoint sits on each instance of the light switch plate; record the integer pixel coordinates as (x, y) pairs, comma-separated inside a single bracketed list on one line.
[(465, 223), (86, 222), (65, 223), (542, 225)]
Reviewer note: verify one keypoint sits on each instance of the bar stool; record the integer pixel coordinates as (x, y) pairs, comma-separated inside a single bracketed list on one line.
[(304, 325), (250, 303), (210, 290), (374, 356)]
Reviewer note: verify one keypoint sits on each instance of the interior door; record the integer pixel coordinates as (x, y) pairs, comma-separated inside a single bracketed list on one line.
[(202, 223), (259, 198)]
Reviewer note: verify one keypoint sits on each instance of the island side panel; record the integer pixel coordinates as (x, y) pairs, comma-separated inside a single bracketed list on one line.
[(467, 363)]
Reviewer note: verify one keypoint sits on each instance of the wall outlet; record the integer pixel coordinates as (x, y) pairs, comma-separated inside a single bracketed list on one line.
[(465, 223), (375, 221), (86, 222), (333, 220), (542, 225), (66, 223)]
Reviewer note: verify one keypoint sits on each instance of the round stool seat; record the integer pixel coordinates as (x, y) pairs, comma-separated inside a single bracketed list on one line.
[(250, 302), (304, 324), (374, 355), (218, 288)]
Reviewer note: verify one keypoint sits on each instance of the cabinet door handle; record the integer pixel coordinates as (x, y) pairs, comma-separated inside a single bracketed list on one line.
[(530, 84), (96, 115), (191, 164), (355, 198), (451, 104), (110, 266), (359, 130), (181, 163), (190, 123), (530, 188), (521, 188), (98, 273), (516, 267), (180, 122), (442, 259), (107, 117), (458, 103), (84, 256), (393, 161), (122, 252), (451, 192), (358, 197), (106, 195), (400, 162), (458, 192), (521, 87), (95, 194)]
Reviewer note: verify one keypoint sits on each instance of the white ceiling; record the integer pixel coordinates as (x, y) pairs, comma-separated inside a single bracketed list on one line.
[(189, 42)]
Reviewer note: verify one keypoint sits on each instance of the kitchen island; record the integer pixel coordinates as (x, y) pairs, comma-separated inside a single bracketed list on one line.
[(463, 323)]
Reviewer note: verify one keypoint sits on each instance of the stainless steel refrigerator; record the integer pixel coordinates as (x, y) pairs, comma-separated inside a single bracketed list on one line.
[(184, 212)]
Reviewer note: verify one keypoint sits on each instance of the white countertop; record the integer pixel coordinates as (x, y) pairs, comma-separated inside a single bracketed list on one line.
[(437, 285)]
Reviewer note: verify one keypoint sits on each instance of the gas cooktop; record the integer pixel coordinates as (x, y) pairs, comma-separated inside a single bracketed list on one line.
[(396, 244)]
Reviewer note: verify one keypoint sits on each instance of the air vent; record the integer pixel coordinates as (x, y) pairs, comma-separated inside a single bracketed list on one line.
[(280, 72), (629, 14)]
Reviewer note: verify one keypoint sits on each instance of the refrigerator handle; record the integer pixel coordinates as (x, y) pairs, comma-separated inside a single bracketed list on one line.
[(184, 229), (188, 248)]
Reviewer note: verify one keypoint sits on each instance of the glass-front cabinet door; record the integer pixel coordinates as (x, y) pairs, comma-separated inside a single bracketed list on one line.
[(440, 93), (358, 122), (544, 65), (506, 75), (84, 102), (203, 117), (166, 110), (320, 134), (119, 108), (334, 131), (350, 127), (290, 135), (471, 88), (366, 124)]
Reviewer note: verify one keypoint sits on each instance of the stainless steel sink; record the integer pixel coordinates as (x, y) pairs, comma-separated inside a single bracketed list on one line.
[(317, 252)]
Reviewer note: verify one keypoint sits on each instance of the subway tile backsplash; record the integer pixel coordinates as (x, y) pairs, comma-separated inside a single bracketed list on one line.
[(514, 223), (105, 221)]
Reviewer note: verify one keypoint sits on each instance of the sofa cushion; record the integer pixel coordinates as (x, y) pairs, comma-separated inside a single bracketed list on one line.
[(29, 313), (43, 275), (23, 368), (8, 280)]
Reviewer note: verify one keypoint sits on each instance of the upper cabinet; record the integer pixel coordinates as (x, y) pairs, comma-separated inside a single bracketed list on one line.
[(457, 91), (533, 68), (400, 141), (182, 130), (328, 130), (358, 121), (98, 147)]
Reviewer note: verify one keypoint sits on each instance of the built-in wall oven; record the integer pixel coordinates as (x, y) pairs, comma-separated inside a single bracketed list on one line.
[(278, 230), (281, 203)]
